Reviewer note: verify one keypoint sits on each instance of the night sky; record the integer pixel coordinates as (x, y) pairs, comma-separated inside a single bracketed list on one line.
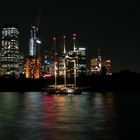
[(112, 27)]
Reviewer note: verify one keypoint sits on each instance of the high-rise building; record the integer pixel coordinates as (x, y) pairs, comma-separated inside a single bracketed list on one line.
[(81, 61), (79, 56), (9, 51), (34, 45), (33, 62), (21, 64)]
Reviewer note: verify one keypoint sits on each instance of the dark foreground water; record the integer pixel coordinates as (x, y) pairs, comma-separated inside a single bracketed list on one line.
[(90, 116)]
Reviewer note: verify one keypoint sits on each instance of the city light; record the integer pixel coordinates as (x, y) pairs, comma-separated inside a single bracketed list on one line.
[(38, 41), (54, 38)]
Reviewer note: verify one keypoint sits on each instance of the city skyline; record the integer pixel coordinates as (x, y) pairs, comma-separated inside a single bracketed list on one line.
[(113, 30)]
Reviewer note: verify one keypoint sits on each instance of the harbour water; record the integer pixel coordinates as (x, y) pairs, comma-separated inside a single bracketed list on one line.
[(89, 116)]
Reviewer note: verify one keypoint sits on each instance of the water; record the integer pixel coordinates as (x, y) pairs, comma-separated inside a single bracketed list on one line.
[(90, 116)]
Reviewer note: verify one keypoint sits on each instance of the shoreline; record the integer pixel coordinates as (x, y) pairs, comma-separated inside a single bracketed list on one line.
[(97, 84)]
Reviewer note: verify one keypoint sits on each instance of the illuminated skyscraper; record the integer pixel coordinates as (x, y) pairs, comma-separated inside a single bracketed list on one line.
[(34, 42), (21, 64), (33, 62), (80, 57), (9, 51), (81, 61)]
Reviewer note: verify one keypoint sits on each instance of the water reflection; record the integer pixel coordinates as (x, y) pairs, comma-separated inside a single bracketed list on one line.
[(80, 117), (30, 116), (33, 115)]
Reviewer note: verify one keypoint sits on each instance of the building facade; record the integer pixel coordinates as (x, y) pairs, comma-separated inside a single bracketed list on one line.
[(9, 50), (79, 59)]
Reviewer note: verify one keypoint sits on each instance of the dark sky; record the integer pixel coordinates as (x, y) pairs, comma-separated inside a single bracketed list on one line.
[(112, 27)]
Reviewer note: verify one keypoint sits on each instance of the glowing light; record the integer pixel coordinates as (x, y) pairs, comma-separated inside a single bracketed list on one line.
[(54, 38), (47, 75), (38, 41), (108, 61), (55, 63), (47, 62), (74, 35), (70, 90), (82, 49), (31, 48)]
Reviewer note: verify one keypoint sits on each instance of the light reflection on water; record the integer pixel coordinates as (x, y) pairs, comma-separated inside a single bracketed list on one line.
[(35, 116)]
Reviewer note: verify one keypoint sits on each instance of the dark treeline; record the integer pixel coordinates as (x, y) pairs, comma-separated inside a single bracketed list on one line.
[(122, 81)]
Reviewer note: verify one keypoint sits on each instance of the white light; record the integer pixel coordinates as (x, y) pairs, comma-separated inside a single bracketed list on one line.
[(38, 41), (82, 48), (31, 47)]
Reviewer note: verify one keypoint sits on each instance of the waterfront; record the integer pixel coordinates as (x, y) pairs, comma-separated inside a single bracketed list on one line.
[(89, 116)]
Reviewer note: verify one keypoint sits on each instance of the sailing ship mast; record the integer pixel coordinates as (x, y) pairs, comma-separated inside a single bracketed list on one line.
[(55, 63), (64, 51), (74, 49)]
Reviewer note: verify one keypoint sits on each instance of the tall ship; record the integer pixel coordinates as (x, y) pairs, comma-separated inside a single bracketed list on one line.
[(67, 59)]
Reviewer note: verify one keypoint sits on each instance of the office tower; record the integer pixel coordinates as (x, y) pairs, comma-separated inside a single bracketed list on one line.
[(76, 60), (81, 61), (80, 57), (21, 64), (9, 51)]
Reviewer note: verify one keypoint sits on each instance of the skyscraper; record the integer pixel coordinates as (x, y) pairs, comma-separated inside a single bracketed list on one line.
[(81, 61), (34, 44), (9, 50), (80, 57), (33, 61)]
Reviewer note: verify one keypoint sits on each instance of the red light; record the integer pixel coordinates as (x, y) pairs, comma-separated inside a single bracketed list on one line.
[(54, 38), (64, 36), (55, 63), (74, 35), (47, 75), (74, 38)]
